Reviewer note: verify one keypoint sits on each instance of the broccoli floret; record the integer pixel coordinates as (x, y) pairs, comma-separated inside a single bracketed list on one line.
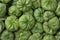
[(58, 9), (38, 14), (38, 28), (24, 5), (49, 4), (2, 9), (48, 37), (35, 36), (36, 4), (12, 23), (7, 35), (14, 11), (51, 26), (47, 15), (22, 35), (26, 21)]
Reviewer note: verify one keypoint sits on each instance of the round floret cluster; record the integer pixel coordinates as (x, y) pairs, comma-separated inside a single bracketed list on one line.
[(29, 19)]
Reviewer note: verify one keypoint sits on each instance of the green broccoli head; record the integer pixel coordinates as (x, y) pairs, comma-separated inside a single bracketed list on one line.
[(2, 9), (14, 11), (24, 5), (47, 15), (11, 23), (51, 26), (26, 21), (38, 28), (48, 37), (58, 9), (35, 36), (38, 14), (1, 26), (5, 1), (7, 35), (57, 36), (49, 4), (22, 35), (36, 4)]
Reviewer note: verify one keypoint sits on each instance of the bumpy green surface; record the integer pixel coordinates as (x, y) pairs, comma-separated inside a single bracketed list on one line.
[(11, 23), (7, 35), (29, 19), (36, 3), (22, 35), (57, 36), (24, 5), (38, 14), (14, 11), (1, 26), (38, 28), (29, 12), (47, 15), (14, 2), (2, 9), (58, 9), (5, 1), (51, 26), (48, 37), (35, 36), (49, 4), (26, 22)]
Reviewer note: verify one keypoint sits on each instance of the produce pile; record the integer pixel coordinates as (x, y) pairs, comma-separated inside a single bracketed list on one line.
[(29, 19)]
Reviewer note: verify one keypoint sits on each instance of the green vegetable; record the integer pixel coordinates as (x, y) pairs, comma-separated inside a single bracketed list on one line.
[(14, 11), (22, 35), (29, 12), (7, 35), (29, 19), (51, 26), (38, 28), (26, 22), (47, 15), (2, 9), (57, 36), (38, 14), (5, 1), (1, 26), (36, 4), (14, 2), (49, 4), (11, 23), (24, 5), (35, 36), (58, 9), (48, 37)]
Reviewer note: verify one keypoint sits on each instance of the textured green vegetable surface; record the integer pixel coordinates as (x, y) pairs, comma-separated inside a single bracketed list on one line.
[(2, 9), (1, 26), (7, 35), (12, 23), (22, 35), (29, 19), (35, 36), (26, 21)]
